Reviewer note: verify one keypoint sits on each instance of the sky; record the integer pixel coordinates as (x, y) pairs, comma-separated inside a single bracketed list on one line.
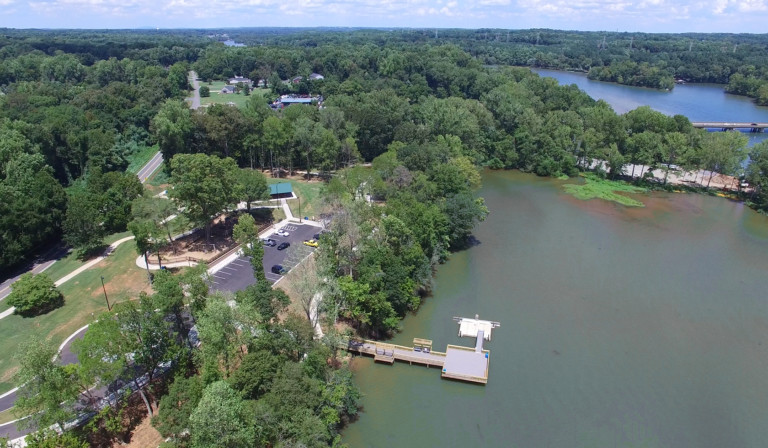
[(735, 16)]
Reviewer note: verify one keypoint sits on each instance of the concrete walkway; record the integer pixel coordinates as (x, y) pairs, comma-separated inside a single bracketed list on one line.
[(82, 268)]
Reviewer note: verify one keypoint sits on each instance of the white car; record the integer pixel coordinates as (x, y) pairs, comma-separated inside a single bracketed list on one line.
[(282, 232)]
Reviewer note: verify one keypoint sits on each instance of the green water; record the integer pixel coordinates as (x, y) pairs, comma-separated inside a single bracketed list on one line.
[(620, 327)]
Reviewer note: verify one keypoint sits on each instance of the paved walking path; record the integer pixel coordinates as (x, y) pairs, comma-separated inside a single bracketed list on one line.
[(82, 268)]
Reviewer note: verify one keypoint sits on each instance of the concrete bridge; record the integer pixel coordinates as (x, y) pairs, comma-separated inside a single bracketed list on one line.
[(730, 125)]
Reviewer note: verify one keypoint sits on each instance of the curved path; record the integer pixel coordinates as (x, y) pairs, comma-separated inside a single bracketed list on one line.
[(7, 400), (82, 268)]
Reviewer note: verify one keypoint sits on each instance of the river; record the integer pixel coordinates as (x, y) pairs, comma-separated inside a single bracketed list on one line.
[(641, 327), (698, 102)]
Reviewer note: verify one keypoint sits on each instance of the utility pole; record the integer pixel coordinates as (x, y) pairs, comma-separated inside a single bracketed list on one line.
[(690, 46), (631, 41), (507, 35), (109, 308)]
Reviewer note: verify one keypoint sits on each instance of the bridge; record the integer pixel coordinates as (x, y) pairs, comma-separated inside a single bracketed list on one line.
[(730, 125)]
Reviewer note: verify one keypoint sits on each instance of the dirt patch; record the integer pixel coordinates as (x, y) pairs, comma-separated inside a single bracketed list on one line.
[(196, 247), (144, 436), (7, 377)]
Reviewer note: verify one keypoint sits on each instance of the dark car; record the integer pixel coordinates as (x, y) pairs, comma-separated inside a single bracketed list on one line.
[(278, 269), (283, 245), (270, 242)]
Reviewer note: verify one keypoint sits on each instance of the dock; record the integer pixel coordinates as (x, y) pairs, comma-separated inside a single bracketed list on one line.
[(468, 364)]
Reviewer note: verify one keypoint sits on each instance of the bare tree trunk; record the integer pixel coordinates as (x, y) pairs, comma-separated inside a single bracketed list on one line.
[(711, 175), (143, 397), (149, 274)]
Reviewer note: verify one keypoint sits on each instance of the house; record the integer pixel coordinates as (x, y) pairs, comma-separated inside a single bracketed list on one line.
[(316, 77), (261, 83), (227, 89), (297, 79), (238, 79)]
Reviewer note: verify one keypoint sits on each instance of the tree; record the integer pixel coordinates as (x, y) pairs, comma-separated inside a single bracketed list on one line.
[(757, 174), (47, 438), (172, 128), (254, 376), (145, 238), (175, 408), (221, 420), (254, 186), (158, 210), (246, 234), (221, 340), (132, 334), (204, 186), (82, 224), (205, 91), (34, 294), (46, 395)]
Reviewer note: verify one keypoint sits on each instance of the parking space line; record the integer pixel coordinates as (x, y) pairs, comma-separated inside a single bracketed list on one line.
[(231, 269)]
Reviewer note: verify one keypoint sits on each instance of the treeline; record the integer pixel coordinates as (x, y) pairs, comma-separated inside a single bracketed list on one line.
[(242, 378), (72, 120), (641, 59)]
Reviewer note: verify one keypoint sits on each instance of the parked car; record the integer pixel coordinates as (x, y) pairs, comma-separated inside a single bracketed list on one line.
[(283, 245), (316, 236), (269, 242), (278, 269), (311, 243), (282, 232)]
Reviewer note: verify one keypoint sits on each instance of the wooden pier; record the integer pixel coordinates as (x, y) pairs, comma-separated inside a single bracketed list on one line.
[(459, 363)]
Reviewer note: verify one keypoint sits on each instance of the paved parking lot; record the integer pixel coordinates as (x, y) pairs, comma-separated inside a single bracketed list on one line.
[(238, 274)]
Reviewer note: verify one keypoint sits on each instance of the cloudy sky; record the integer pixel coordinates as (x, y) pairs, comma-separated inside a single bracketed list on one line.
[(622, 15)]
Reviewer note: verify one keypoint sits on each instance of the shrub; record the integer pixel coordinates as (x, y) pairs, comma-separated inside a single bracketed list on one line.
[(34, 294)]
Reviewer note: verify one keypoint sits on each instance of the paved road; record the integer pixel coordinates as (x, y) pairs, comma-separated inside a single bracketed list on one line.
[(6, 401), (150, 167), (238, 275), (39, 265), (194, 100)]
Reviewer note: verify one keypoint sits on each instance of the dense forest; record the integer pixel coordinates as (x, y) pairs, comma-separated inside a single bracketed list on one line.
[(78, 106)]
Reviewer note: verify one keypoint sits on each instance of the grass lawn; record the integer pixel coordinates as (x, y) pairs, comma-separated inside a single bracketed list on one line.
[(594, 187), (7, 416), (308, 192), (139, 159), (69, 263), (223, 98), (83, 299)]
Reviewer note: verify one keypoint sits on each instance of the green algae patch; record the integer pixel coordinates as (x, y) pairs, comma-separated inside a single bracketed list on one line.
[(596, 188)]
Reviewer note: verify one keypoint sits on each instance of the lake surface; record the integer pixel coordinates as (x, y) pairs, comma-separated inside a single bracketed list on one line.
[(698, 102), (619, 327)]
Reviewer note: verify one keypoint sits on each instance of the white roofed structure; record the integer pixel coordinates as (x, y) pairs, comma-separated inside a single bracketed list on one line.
[(471, 328)]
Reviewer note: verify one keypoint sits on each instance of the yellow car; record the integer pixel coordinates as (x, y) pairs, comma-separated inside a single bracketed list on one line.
[(311, 243)]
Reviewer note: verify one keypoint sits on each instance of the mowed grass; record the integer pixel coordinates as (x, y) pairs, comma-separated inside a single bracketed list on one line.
[(308, 192), (596, 188), (83, 300), (224, 98)]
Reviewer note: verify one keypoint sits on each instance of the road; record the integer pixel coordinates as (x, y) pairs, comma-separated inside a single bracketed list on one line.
[(6, 401), (153, 164), (194, 100), (39, 265)]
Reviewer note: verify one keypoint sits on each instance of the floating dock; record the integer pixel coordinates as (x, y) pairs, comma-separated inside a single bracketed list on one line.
[(459, 363)]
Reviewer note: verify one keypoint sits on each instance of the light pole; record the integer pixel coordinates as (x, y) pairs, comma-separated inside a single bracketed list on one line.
[(300, 218), (109, 308)]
